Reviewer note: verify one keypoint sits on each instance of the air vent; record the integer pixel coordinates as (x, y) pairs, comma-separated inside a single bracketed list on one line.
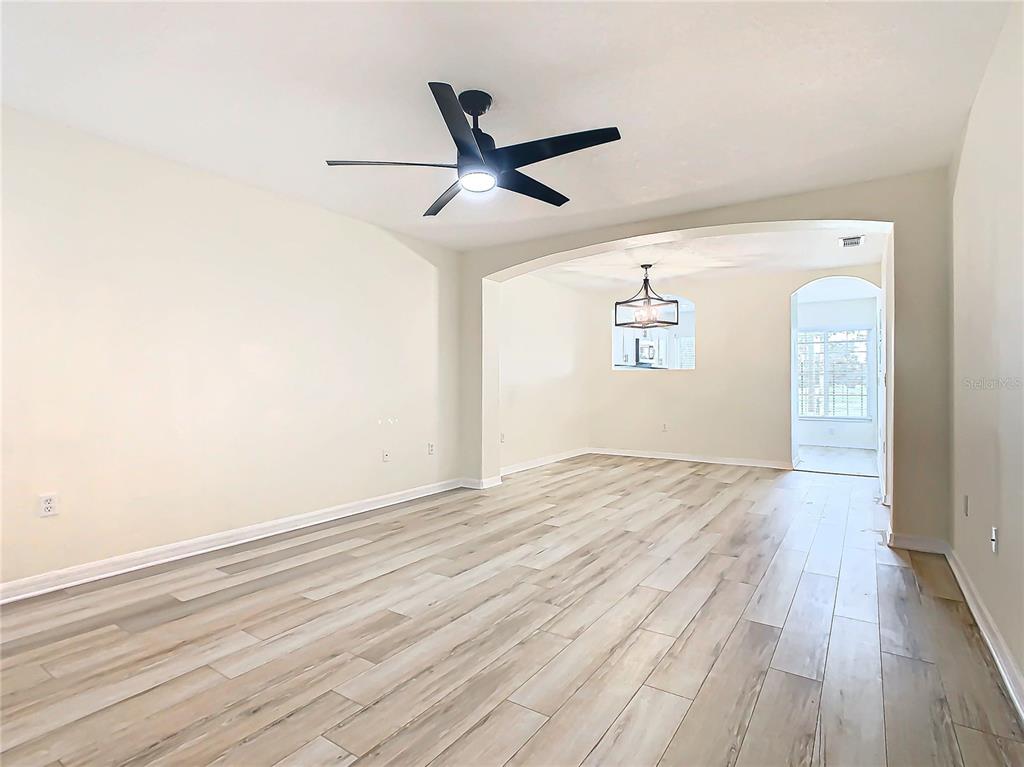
[(852, 242)]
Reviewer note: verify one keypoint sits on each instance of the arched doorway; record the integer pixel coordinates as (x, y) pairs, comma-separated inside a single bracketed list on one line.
[(838, 398)]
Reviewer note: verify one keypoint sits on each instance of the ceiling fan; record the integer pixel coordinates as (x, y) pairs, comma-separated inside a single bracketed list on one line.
[(480, 165)]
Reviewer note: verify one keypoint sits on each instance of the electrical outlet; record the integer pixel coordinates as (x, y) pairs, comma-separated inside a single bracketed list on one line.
[(47, 505), (430, 448), (967, 505), (994, 540), (385, 455)]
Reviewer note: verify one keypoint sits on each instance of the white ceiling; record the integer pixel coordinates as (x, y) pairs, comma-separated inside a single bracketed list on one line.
[(716, 103), (775, 247)]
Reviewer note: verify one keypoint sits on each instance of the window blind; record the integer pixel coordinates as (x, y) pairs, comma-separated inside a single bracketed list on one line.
[(833, 373)]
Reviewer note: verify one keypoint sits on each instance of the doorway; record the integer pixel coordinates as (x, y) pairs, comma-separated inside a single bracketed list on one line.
[(838, 405)]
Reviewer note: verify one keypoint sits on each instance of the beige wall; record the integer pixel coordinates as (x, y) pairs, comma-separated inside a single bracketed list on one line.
[(918, 206), (560, 393), (551, 353), (988, 338), (185, 355), (735, 404)]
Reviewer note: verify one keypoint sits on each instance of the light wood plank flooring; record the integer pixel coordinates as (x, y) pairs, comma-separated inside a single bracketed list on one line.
[(597, 611)]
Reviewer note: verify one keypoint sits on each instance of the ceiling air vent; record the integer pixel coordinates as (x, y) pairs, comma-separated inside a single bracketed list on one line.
[(852, 242)]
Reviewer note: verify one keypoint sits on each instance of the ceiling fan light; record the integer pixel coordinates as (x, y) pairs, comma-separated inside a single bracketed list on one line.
[(478, 181)]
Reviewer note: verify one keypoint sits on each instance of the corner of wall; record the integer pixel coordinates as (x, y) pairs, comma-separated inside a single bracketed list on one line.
[(987, 415)]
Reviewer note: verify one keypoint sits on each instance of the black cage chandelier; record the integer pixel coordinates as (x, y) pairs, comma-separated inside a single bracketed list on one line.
[(646, 309)]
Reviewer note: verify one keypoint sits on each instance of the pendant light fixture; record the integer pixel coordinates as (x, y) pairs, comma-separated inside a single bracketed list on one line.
[(646, 309)]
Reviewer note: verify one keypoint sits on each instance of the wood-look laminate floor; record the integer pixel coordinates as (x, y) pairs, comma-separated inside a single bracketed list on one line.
[(598, 611)]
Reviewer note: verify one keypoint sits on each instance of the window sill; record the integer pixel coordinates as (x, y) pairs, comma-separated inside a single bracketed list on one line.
[(840, 419), (616, 368)]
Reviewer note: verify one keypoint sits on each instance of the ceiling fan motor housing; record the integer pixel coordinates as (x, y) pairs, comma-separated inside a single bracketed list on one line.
[(475, 104), (468, 164)]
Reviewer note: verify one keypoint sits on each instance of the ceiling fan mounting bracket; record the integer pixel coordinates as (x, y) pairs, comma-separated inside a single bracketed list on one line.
[(475, 103)]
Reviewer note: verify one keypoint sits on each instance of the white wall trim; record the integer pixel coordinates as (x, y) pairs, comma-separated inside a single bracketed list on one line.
[(537, 462), (479, 484), (1013, 678), (918, 543), (757, 462), (35, 585)]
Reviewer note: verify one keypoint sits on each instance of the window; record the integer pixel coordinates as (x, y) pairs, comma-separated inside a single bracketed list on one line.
[(833, 373), (671, 348), (687, 352)]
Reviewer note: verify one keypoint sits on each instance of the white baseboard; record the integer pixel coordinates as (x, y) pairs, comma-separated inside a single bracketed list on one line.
[(125, 563), (479, 484), (1009, 669), (917, 543), (35, 585), (538, 462), (756, 462)]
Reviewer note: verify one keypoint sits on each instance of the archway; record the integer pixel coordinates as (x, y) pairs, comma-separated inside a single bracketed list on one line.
[(837, 377), (905, 206), (484, 425)]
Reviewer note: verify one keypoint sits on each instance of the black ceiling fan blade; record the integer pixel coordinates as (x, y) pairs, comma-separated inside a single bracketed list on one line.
[(443, 200), (456, 121), (515, 181), (518, 155), (332, 163)]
